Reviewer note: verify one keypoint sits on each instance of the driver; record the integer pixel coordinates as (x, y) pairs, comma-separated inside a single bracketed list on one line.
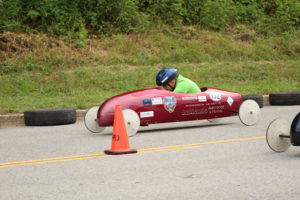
[(172, 81)]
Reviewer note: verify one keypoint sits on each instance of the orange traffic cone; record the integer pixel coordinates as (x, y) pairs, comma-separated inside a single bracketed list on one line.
[(120, 143)]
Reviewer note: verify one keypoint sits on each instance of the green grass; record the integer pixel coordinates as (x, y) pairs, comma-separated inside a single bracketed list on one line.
[(59, 75)]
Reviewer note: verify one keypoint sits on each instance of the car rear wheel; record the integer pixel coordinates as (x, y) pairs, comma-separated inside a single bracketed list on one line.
[(90, 120)]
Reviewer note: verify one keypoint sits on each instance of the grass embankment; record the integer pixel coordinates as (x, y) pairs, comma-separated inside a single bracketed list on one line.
[(37, 71)]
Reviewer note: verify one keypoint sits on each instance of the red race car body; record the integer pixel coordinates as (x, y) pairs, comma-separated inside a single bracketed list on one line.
[(155, 105)]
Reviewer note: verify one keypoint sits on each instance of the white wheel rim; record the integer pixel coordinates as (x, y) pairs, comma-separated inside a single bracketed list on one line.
[(132, 121), (215, 120), (249, 112), (278, 127), (90, 120)]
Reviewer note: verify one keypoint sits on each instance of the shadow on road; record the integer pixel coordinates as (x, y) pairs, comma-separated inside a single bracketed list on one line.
[(153, 128)]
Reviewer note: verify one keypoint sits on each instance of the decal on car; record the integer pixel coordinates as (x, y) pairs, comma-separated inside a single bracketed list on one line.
[(147, 102), (170, 104), (156, 101), (202, 111), (230, 101), (202, 98), (215, 96), (194, 105), (189, 98), (147, 114), (216, 109)]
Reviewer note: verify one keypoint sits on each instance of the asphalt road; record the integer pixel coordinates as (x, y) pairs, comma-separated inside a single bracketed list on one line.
[(193, 160)]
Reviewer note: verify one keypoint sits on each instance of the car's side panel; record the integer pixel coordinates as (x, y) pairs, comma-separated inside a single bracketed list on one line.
[(159, 106)]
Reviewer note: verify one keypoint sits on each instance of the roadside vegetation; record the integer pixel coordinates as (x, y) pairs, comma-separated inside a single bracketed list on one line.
[(78, 56)]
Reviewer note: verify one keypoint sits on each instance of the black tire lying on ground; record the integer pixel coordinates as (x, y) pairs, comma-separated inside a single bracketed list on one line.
[(256, 97), (48, 117), (285, 98)]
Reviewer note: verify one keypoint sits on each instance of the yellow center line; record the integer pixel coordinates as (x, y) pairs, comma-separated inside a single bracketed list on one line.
[(49, 159), (100, 155), (203, 143)]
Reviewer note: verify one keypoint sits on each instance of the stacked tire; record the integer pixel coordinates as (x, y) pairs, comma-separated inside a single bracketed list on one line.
[(285, 98), (256, 97), (50, 117)]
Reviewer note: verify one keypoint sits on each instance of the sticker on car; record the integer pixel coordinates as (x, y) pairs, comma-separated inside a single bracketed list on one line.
[(189, 98), (156, 101), (147, 102), (170, 104), (202, 98), (147, 114), (230, 101), (215, 96)]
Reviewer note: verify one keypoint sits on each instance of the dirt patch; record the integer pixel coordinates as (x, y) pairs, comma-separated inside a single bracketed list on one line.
[(43, 46), (15, 44)]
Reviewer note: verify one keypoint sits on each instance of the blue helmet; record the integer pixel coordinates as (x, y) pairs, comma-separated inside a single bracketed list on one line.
[(165, 75)]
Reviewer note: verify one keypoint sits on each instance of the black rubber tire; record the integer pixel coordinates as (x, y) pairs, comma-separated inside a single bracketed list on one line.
[(50, 117), (285, 98), (256, 97)]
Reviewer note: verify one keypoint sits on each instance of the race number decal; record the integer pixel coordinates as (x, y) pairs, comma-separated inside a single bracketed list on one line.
[(170, 104), (215, 96)]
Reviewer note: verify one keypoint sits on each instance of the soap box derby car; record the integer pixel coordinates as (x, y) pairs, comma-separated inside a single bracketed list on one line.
[(155, 105)]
